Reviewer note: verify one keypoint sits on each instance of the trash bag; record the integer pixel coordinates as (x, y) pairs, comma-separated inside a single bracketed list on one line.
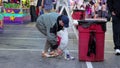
[(63, 34), (92, 44)]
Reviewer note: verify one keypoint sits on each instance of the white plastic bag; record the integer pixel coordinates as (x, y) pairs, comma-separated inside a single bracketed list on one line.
[(64, 38), (64, 43)]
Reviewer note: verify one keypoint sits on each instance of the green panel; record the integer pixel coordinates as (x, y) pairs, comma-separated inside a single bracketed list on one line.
[(15, 15)]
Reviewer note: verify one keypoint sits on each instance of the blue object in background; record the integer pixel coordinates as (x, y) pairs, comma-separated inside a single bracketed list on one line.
[(41, 12)]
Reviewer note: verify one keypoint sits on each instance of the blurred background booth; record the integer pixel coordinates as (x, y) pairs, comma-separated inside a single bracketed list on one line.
[(16, 11)]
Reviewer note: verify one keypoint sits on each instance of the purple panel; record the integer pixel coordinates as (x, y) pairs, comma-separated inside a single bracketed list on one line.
[(16, 10), (12, 22), (6, 18), (18, 20)]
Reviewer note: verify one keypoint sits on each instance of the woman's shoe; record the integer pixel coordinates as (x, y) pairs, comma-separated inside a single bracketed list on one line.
[(69, 57)]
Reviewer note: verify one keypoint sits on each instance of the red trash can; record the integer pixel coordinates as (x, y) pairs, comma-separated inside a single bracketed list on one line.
[(91, 40), (78, 14)]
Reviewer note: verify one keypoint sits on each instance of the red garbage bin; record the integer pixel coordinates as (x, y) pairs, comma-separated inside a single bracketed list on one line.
[(78, 14), (91, 40)]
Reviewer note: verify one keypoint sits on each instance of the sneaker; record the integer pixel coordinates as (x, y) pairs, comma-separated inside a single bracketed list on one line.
[(117, 52), (69, 57), (72, 58)]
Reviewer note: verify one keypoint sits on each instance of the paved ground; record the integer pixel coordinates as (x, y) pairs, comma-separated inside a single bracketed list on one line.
[(21, 46)]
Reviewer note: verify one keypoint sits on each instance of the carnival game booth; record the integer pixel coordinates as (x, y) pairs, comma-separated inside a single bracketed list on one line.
[(1, 22), (15, 14)]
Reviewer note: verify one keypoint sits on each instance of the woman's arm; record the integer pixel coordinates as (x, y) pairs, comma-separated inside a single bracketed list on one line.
[(42, 3)]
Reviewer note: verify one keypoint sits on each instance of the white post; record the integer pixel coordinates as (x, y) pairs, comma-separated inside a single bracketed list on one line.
[(66, 7)]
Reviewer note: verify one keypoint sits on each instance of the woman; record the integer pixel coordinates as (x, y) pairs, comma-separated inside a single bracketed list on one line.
[(33, 11), (47, 5)]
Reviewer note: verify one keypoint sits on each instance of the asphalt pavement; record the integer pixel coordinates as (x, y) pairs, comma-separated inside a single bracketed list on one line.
[(21, 46)]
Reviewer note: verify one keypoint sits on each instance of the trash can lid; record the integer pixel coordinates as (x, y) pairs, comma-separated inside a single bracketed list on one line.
[(91, 21)]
